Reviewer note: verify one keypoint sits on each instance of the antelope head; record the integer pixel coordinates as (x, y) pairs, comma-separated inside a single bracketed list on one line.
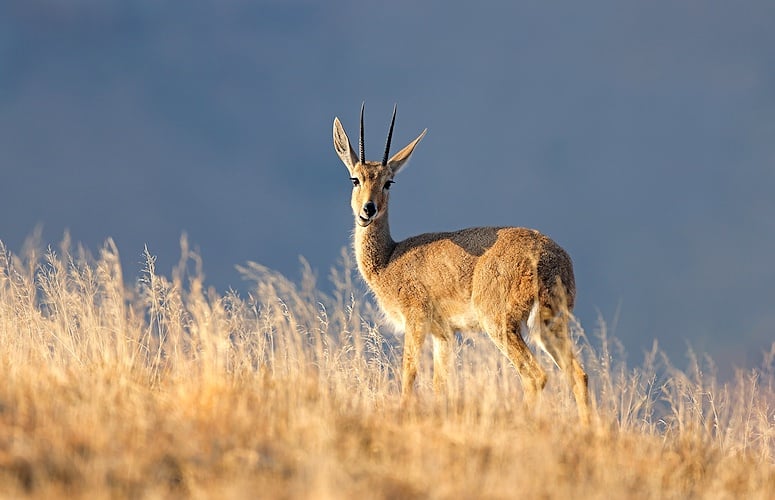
[(371, 180)]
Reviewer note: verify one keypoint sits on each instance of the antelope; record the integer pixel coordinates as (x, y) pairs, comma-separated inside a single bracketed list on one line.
[(491, 279)]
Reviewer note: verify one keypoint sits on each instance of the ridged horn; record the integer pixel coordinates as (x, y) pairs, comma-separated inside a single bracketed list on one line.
[(361, 147), (389, 137)]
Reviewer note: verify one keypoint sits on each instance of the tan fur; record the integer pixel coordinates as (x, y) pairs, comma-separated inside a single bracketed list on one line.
[(477, 279)]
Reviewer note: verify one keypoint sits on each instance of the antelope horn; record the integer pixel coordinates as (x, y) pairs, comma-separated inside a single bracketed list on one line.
[(390, 137), (361, 147)]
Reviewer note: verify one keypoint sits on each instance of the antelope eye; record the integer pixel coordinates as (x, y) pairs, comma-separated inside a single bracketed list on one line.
[(355, 181), (388, 184)]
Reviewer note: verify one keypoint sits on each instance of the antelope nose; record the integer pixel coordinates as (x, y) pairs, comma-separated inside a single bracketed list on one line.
[(370, 209)]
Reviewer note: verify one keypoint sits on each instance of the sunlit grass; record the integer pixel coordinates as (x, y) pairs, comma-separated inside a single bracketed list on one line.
[(160, 387)]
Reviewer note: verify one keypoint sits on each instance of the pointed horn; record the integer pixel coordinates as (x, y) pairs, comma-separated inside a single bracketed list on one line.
[(361, 147), (390, 137)]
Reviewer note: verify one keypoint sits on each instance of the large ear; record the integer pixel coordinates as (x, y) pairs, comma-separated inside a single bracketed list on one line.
[(399, 159), (342, 146)]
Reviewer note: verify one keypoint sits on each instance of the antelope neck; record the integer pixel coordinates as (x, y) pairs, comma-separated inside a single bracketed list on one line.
[(373, 247)]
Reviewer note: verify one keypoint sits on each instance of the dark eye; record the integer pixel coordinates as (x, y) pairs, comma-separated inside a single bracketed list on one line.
[(355, 181), (388, 184)]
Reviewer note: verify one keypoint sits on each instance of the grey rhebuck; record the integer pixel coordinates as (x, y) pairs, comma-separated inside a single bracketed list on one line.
[(492, 279)]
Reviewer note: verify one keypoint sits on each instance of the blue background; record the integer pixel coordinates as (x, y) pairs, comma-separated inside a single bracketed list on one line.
[(639, 135)]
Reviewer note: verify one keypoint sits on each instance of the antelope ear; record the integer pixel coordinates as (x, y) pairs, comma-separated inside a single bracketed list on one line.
[(398, 160), (342, 146)]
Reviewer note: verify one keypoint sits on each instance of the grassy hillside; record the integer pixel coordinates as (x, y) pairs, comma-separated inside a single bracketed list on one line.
[(157, 387)]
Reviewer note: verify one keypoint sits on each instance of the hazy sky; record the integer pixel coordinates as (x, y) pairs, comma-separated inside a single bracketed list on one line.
[(639, 135)]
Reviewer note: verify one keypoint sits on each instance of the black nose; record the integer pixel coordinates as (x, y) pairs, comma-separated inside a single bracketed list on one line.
[(370, 209)]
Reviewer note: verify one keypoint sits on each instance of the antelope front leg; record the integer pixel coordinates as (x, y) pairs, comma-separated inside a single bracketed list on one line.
[(413, 340), (441, 354)]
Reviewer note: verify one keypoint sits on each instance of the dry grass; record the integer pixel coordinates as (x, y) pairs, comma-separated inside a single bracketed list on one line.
[(160, 388)]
